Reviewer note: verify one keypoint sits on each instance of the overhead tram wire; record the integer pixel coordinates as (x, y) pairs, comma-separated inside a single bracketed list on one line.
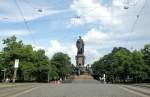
[(78, 17), (28, 2), (90, 11), (5, 19), (142, 7), (25, 22), (33, 6), (36, 7), (137, 17)]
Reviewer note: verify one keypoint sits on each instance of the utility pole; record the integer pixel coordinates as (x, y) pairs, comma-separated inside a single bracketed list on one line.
[(4, 76), (14, 76), (15, 70), (48, 77)]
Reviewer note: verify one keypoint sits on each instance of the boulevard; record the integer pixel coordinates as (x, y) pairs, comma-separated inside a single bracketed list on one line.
[(69, 90)]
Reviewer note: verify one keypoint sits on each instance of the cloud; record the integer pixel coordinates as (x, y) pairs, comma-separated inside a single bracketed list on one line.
[(103, 26), (6, 33), (122, 3), (71, 50), (95, 37), (89, 11), (91, 55), (56, 46), (99, 43), (120, 25), (12, 13)]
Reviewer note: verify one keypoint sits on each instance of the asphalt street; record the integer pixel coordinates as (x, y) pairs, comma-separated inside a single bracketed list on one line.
[(77, 90), (13, 90)]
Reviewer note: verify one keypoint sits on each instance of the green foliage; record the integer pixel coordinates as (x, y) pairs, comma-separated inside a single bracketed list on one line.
[(121, 64), (146, 57), (34, 65), (139, 69), (146, 53), (61, 62)]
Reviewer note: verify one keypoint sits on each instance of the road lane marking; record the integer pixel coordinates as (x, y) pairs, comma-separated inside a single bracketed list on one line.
[(21, 90), (24, 92)]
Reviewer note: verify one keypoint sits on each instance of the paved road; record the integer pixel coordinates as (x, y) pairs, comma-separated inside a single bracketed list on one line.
[(76, 89), (10, 90), (79, 90)]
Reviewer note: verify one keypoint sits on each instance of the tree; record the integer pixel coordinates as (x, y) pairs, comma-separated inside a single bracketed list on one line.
[(121, 64), (62, 63), (34, 65), (42, 65), (146, 52), (98, 69), (1, 65), (146, 56), (138, 68), (11, 51), (122, 61)]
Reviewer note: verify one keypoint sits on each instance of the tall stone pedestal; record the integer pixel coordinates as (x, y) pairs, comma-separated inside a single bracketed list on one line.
[(80, 59)]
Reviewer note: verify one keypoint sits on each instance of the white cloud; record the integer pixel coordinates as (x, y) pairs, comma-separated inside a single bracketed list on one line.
[(122, 3), (98, 43), (6, 33), (57, 47), (10, 12), (90, 54), (89, 11), (95, 37)]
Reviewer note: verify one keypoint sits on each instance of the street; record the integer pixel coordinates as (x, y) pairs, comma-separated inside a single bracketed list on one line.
[(15, 89), (68, 90)]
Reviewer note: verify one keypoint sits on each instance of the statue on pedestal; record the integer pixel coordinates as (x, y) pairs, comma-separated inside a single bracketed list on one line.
[(80, 46), (80, 58)]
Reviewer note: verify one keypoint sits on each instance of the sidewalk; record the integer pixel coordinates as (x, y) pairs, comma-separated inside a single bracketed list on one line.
[(140, 88), (3, 85), (146, 85), (7, 85)]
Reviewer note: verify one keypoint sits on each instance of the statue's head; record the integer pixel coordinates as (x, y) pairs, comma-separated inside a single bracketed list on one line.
[(79, 37)]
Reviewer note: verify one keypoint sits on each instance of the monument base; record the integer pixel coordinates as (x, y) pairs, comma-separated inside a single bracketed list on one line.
[(83, 71), (80, 60), (83, 77)]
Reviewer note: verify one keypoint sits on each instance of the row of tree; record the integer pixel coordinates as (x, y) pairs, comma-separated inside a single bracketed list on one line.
[(34, 64), (122, 65)]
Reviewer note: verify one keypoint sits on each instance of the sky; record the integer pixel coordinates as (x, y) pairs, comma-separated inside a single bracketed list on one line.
[(55, 25)]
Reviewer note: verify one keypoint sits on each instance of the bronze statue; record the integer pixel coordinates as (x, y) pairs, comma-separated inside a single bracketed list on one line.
[(80, 45)]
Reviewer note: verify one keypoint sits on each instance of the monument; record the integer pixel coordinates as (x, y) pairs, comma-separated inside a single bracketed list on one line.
[(80, 58), (82, 72)]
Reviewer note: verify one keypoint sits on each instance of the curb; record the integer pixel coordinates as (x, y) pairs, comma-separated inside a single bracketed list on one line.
[(136, 90)]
